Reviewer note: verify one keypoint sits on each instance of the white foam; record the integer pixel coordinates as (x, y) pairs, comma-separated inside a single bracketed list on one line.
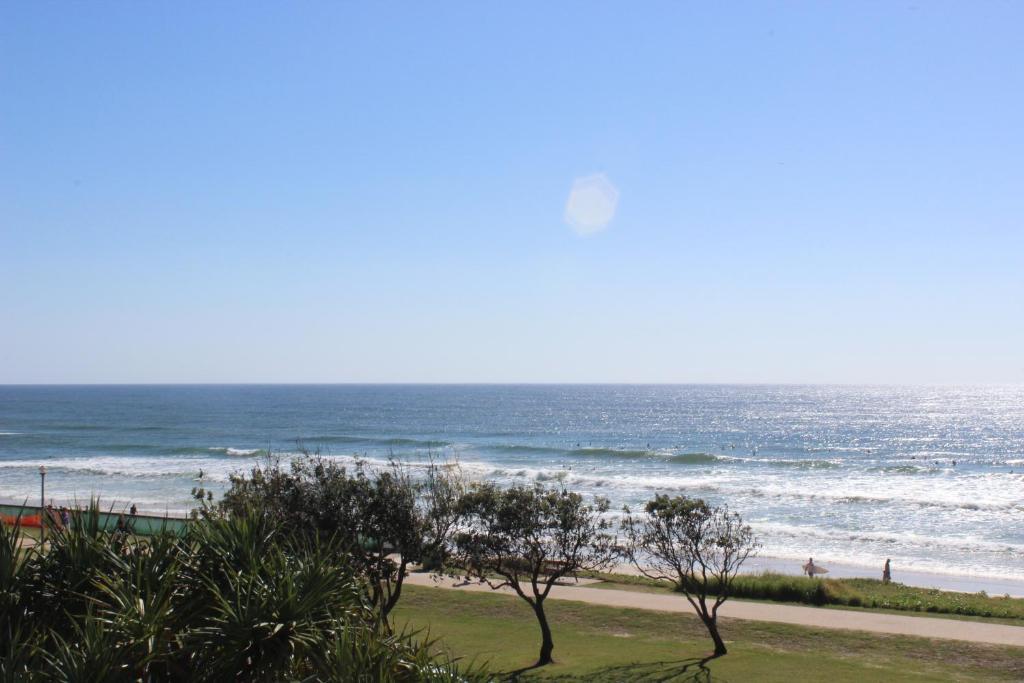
[(136, 467), (895, 538), (243, 451), (929, 505), (224, 450)]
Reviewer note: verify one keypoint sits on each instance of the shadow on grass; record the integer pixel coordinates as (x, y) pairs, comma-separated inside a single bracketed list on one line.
[(693, 670), (519, 673)]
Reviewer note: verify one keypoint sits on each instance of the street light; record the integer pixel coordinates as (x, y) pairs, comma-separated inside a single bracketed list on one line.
[(42, 501)]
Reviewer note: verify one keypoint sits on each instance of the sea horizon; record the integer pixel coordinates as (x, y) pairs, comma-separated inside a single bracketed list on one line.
[(515, 384)]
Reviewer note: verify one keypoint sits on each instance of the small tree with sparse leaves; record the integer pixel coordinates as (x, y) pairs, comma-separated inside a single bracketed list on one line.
[(528, 538), (697, 546)]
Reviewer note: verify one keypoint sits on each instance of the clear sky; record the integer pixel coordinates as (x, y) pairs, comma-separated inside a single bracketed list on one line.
[(334, 192)]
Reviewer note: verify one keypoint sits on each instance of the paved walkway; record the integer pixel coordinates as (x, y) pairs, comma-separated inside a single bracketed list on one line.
[(925, 627)]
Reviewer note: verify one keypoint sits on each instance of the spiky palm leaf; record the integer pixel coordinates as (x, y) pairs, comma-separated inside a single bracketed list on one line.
[(234, 599)]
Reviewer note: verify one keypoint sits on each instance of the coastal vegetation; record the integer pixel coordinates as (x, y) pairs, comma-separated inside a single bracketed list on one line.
[(529, 538), (233, 598), (696, 547), (384, 520), (297, 573)]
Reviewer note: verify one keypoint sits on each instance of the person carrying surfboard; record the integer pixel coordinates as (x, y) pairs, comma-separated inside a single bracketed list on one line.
[(811, 569)]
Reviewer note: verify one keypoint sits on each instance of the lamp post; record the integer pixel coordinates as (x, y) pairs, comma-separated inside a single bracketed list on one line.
[(42, 501)]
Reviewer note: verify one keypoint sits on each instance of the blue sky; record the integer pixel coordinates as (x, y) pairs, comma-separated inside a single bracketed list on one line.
[(326, 192)]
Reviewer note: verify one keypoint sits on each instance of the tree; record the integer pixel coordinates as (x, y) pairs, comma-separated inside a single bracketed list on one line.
[(385, 518), (386, 532), (399, 516), (441, 491), (696, 546), (531, 537)]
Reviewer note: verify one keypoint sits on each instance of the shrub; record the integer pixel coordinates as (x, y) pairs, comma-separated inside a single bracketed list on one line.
[(375, 515), (235, 598)]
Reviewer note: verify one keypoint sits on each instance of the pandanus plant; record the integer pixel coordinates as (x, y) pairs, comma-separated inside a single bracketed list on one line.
[(232, 599)]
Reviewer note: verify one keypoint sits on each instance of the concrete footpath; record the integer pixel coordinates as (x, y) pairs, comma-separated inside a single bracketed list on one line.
[(815, 617)]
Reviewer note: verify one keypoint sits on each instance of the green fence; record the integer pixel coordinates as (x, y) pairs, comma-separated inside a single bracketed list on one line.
[(143, 525)]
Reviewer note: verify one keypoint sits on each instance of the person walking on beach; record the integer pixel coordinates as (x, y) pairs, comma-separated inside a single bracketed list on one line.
[(809, 567), (133, 510), (886, 573)]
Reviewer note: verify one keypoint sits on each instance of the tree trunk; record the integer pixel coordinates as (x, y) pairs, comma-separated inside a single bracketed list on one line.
[(547, 644), (391, 600), (712, 625)]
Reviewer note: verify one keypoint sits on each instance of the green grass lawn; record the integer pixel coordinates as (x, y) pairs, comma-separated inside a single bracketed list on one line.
[(594, 643)]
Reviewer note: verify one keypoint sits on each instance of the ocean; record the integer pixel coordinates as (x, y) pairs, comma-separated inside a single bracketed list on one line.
[(932, 477)]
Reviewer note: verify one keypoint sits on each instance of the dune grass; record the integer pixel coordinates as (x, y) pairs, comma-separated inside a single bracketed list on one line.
[(861, 593), (595, 643)]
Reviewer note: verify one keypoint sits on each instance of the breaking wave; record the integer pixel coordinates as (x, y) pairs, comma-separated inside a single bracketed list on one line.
[(374, 441)]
